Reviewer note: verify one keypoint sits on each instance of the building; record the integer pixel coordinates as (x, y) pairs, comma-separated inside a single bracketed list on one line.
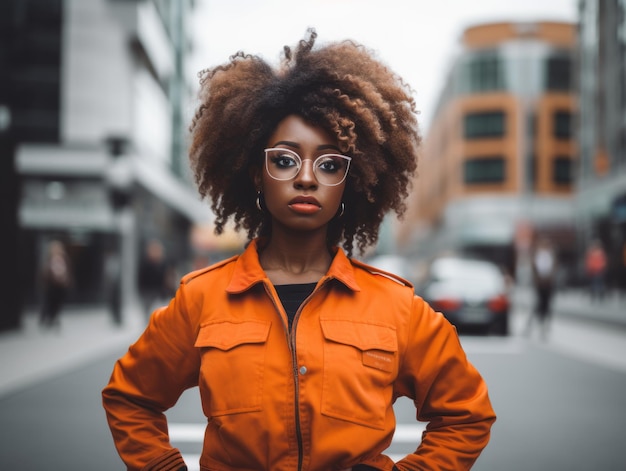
[(98, 98), (601, 187), (497, 164)]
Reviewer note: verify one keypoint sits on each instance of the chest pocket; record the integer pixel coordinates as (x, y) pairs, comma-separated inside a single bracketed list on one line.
[(360, 364), (232, 365)]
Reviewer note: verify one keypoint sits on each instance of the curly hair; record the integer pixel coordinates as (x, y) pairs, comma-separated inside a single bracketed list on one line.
[(340, 87)]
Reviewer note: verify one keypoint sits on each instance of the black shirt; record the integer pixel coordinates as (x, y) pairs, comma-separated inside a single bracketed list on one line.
[(292, 296)]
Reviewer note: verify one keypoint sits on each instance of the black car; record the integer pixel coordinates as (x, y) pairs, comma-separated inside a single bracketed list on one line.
[(471, 293)]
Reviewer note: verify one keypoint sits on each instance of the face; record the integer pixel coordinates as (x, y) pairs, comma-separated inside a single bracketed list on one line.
[(301, 202)]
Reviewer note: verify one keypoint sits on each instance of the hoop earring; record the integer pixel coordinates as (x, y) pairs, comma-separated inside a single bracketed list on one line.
[(341, 211), (258, 201)]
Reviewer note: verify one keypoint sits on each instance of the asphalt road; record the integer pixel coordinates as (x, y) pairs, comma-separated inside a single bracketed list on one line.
[(560, 406)]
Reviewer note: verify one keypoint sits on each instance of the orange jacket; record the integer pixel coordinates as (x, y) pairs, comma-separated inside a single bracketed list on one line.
[(317, 398)]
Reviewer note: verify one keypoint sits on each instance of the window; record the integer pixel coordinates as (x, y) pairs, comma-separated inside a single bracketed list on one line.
[(484, 170), (558, 73), (484, 73), (30, 68), (562, 125), (485, 124), (562, 170)]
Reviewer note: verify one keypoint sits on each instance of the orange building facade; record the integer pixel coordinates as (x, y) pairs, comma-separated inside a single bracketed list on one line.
[(498, 162)]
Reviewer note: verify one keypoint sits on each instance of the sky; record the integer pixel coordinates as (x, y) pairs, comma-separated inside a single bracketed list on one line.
[(416, 38)]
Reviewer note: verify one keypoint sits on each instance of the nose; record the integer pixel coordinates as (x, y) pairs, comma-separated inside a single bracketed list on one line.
[(306, 176)]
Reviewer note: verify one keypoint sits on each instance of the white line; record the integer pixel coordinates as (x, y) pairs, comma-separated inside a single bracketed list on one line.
[(194, 433), (193, 461), (186, 432), (409, 433)]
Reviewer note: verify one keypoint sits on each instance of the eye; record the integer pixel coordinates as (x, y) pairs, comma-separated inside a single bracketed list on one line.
[(284, 160), (331, 164)]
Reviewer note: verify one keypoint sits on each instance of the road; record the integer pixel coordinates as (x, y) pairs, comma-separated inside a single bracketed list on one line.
[(560, 405)]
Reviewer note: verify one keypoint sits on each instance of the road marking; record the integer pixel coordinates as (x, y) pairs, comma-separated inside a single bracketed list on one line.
[(194, 433), (409, 433), (192, 461)]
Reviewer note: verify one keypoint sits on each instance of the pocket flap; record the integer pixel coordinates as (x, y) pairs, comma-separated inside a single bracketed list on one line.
[(228, 334), (360, 335)]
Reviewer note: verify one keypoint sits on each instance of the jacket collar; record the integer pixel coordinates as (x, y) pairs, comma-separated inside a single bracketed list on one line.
[(248, 271)]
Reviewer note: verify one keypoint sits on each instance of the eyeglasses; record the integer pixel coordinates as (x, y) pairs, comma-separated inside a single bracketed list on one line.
[(284, 164)]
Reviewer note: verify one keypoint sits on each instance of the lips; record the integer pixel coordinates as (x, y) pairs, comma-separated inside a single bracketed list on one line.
[(305, 205)]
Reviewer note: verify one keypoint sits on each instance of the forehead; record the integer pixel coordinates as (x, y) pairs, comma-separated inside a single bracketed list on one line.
[(295, 129)]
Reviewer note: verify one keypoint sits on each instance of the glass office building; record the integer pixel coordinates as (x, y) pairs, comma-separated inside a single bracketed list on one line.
[(99, 94)]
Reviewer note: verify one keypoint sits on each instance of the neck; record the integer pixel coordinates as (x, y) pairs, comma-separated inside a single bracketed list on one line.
[(295, 259)]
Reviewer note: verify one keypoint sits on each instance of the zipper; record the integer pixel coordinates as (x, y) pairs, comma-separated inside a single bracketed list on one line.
[(294, 369), (291, 340), (292, 337)]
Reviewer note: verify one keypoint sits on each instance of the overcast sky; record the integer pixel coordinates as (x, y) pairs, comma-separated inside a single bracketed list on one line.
[(416, 38)]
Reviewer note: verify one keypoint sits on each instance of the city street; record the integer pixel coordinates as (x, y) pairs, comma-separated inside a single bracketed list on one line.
[(475, 149), (560, 405)]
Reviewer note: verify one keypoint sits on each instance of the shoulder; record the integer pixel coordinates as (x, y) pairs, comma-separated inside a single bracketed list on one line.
[(215, 269), (389, 294), (378, 276)]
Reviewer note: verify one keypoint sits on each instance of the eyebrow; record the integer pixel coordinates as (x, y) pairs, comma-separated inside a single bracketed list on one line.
[(297, 146)]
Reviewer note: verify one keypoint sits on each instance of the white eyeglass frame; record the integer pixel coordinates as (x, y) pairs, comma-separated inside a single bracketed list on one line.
[(299, 160)]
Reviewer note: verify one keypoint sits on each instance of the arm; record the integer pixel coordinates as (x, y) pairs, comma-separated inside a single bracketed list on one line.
[(448, 393), (147, 381)]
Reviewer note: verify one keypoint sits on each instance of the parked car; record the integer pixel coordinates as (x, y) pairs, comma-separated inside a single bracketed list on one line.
[(394, 264), (472, 294)]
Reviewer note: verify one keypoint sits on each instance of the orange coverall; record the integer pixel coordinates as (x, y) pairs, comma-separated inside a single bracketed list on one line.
[(318, 397)]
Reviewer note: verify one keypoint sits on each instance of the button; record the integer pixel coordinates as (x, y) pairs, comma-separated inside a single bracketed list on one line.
[(303, 370)]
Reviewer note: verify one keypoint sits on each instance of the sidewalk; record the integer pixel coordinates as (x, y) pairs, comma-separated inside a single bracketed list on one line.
[(33, 354), (576, 303)]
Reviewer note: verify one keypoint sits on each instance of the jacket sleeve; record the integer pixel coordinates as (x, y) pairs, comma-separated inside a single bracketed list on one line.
[(448, 393), (147, 381)]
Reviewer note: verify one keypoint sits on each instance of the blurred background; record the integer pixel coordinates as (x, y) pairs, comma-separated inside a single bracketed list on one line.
[(522, 111), (521, 105)]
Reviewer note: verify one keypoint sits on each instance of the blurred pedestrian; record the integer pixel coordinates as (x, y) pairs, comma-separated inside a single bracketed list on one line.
[(544, 270), (298, 350), (57, 279), (595, 267), (154, 286)]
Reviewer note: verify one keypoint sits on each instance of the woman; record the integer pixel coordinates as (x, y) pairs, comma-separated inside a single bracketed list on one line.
[(298, 350)]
